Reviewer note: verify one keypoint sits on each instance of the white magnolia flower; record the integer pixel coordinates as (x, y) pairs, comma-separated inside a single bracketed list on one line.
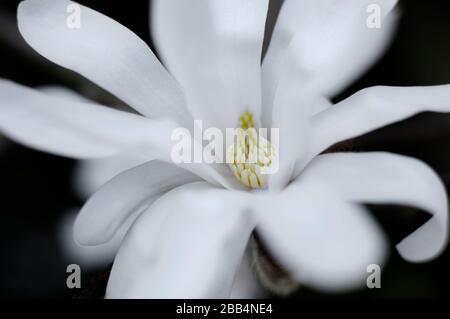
[(191, 222)]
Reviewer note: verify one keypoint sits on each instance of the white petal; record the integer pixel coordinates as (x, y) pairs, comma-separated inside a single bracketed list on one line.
[(321, 239), (64, 93), (373, 108), (213, 48), (124, 197), (104, 52), (88, 257), (246, 285), (74, 129), (91, 175), (89, 131), (327, 42), (189, 244), (94, 173), (294, 108), (383, 178), (292, 117)]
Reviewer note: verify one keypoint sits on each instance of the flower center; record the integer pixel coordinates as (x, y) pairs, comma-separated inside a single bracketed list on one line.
[(251, 154)]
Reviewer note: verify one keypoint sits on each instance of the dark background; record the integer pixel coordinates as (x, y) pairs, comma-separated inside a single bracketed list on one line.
[(36, 188)]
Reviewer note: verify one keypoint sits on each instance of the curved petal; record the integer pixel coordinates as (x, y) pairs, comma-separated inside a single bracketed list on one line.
[(104, 52), (246, 285), (88, 257), (78, 130), (294, 107), (292, 117), (383, 178), (316, 38), (64, 93), (213, 48), (91, 175), (89, 131), (94, 173), (373, 108), (189, 244), (124, 197), (323, 240)]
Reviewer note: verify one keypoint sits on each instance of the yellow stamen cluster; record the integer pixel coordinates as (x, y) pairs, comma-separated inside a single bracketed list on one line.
[(246, 121), (250, 154)]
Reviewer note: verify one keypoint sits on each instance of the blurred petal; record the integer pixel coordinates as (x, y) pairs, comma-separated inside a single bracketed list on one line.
[(92, 174), (213, 48), (78, 130), (189, 244), (104, 52), (383, 178), (88, 257), (373, 108), (321, 239), (317, 37), (89, 131), (124, 197), (64, 93), (245, 285)]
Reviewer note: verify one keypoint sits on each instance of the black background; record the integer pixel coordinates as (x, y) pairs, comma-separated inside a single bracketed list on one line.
[(36, 188)]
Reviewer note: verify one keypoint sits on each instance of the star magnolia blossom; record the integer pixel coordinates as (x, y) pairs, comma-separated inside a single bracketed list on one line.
[(190, 223)]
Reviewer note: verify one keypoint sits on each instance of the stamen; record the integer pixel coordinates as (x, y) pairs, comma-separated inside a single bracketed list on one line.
[(246, 121), (251, 154)]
